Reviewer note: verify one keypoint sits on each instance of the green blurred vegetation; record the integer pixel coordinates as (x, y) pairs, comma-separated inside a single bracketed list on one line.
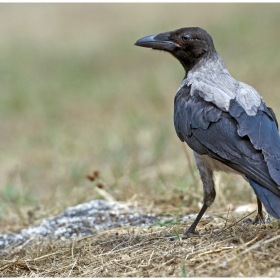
[(77, 96)]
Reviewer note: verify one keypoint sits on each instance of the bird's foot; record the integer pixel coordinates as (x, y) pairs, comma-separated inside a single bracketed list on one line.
[(186, 235), (190, 234), (259, 220), (248, 221)]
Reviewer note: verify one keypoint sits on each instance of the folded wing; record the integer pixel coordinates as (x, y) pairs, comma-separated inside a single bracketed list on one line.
[(244, 143)]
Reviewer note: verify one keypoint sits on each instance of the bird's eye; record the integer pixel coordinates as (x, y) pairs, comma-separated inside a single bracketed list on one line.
[(186, 37)]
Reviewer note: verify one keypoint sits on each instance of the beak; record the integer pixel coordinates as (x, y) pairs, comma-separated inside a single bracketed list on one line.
[(159, 42)]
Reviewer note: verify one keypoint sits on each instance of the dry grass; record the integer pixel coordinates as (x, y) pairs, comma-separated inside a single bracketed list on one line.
[(225, 249), (77, 96)]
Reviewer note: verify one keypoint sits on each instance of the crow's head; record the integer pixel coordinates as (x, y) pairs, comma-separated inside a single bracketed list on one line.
[(188, 44)]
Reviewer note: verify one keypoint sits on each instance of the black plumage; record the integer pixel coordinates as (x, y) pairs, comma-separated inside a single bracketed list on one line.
[(225, 122)]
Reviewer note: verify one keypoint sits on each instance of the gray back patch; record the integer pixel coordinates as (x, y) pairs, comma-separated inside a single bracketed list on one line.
[(213, 83)]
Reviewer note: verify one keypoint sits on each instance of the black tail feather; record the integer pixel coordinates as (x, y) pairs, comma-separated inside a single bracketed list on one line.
[(270, 200)]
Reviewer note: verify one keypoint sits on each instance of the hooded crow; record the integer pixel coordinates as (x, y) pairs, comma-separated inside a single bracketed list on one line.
[(224, 121)]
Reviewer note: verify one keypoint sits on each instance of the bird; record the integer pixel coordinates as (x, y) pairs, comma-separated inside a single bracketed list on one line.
[(224, 121)]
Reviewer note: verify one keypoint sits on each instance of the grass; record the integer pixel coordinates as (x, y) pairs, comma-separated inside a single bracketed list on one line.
[(137, 252), (77, 96)]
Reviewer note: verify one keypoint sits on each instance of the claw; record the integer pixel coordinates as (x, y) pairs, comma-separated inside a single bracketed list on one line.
[(248, 221), (182, 236), (258, 220), (190, 234)]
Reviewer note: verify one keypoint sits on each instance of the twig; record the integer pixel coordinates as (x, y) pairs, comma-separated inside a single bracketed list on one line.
[(227, 217), (72, 268), (72, 248), (258, 244), (236, 222), (215, 251), (227, 248), (255, 246), (105, 194), (149, 261)]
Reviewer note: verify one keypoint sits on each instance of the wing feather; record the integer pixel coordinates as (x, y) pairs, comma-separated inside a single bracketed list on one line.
[(244, 143)]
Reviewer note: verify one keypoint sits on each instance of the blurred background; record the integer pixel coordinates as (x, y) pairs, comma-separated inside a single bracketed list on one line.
[(78, 96)]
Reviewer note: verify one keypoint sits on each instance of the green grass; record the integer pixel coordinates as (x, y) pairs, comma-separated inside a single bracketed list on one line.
[(77, 96)]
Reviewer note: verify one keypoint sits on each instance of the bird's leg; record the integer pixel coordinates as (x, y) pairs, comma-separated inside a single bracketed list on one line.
[(191, 229), (206, 174), (259, 218), (209, 193)]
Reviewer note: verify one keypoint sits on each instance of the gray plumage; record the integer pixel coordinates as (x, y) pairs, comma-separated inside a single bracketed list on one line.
[(224, 121)]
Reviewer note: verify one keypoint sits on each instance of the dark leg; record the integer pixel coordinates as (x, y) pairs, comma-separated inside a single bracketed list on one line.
[(259, 219), (206, 175), (191, 229)]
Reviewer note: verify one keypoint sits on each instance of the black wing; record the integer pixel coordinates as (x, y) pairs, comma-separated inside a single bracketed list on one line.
[(239, 141)]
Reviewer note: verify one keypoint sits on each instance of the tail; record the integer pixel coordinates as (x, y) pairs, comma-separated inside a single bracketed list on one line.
[(270, 200)]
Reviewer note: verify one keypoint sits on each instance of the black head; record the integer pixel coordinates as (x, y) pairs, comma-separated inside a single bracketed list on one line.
[(188, 44)]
